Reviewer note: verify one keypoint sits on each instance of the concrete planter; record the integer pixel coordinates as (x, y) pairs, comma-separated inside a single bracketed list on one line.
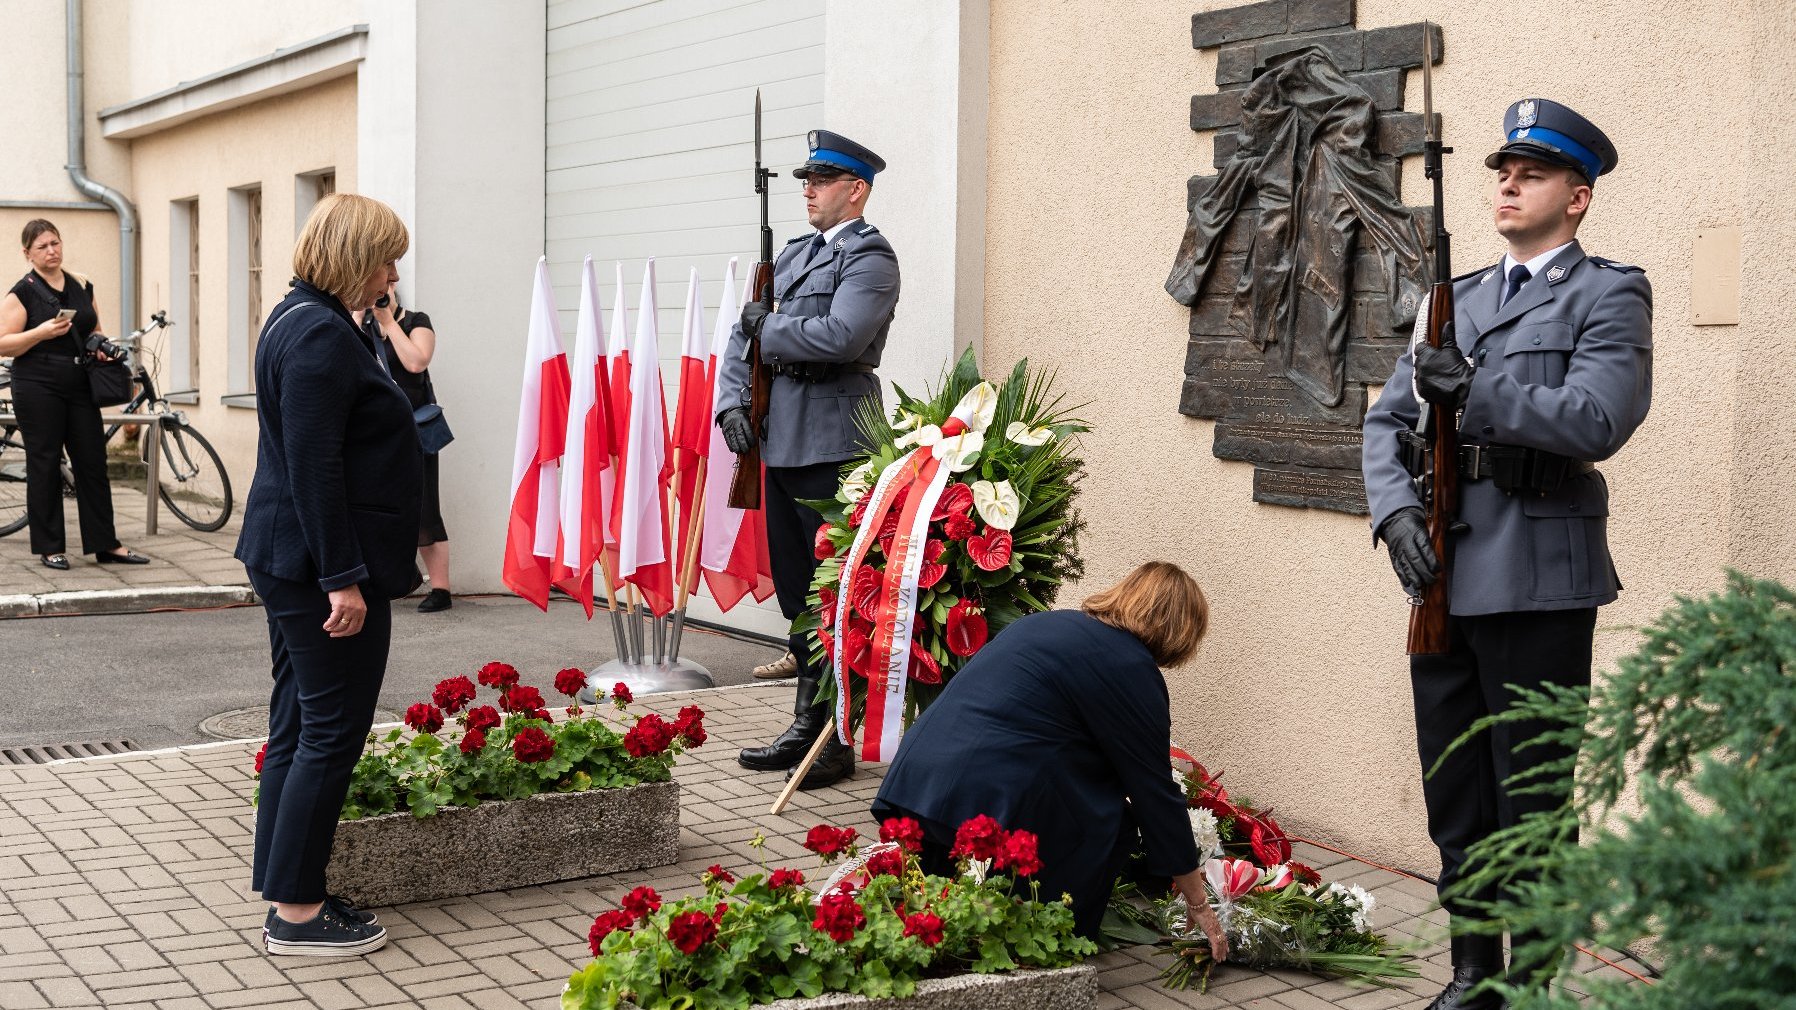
[(501, 844), (1074, 988)]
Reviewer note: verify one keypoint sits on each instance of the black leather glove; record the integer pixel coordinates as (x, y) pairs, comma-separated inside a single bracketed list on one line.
[(1405, 534), (738, 433), (753, 314), (1443, 375)]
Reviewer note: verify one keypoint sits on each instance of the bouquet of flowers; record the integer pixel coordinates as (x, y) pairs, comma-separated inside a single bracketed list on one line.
[(875, 928), (511, 751), (1277, 912), (959, 522)]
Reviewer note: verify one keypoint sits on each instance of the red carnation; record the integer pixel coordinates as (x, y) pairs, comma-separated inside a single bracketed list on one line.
[(959, 527), (641, 902), (483, 718), (689, 725), (650, 736), (956, 500), (839, 915), (823, 549), (532, 745), (990, 552), (570, 681), (521, 698), (1020, 854), (783, 878), (261, 755), (890, 863), (606, 924), (923, 667), (925, 926), (716, 873), (979, 838), (620, 693), (1305, 875), (830, 842), (499, 675), (966, 628), (424, 717), (472, 741), (453, 694), (903, 830), (691, 930)]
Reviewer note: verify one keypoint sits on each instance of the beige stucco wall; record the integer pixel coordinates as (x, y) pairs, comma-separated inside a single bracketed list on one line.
[(1301, 690)]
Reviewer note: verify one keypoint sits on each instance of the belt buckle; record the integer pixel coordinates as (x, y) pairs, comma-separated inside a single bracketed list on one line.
[(1475, 462)]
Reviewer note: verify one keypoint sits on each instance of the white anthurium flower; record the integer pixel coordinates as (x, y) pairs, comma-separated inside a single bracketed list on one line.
[(960, 452), (1022, 434), (929, 434), (978, 407), (997, 503), (856, 484)]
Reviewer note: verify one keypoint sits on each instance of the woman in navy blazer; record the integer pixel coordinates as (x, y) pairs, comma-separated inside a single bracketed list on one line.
[(328, 535), (1062, 726)]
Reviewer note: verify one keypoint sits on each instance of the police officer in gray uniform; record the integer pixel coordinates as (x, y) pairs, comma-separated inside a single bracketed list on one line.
[(1551, 375), (834, 294)]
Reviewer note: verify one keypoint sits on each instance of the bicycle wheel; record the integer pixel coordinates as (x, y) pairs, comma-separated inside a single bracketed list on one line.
[(192, 480), (12, 481)]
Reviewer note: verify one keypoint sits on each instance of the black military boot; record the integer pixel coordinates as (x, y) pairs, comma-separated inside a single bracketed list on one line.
[(1475, 958), (834, 763), (790, 747), (1525, 964)]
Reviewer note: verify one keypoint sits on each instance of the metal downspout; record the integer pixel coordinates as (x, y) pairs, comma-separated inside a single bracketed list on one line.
[(127, 214)]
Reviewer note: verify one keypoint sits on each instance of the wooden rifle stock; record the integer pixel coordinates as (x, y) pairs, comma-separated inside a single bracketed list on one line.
[(745, 485), (1428, 632)]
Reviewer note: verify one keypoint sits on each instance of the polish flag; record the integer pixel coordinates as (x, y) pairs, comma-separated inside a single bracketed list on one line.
[(531, 533), (642, 548), (733, 550), (692, 419), (584, 499), (617, 354)]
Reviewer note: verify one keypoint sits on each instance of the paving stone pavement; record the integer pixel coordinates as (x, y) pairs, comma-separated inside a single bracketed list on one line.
[(123, 884)]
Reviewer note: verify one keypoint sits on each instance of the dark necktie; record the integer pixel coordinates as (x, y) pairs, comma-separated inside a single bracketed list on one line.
[(813, 249), (1518, 275)]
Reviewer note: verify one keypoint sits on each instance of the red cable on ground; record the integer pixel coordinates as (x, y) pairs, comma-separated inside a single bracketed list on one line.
[(1405, 873)]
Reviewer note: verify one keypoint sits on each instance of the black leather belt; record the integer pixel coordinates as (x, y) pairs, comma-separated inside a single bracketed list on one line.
[(820, 371), (1519, 468)]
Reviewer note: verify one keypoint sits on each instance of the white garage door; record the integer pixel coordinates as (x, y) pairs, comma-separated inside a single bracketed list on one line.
[(650, 131)]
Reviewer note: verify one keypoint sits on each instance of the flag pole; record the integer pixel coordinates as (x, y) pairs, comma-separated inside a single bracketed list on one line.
[(617, 622), (804, 767), (690, 562)]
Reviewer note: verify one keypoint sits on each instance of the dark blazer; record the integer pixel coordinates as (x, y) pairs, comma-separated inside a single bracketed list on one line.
[(338, 465), (1059, 726)]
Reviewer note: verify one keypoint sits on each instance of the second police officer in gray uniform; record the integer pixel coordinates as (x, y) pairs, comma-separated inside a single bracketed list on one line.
[(835, 292), (1552, 373)]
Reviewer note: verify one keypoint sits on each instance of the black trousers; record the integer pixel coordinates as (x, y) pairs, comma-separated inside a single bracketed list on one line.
[(1466, 799), (318, 717), (792, 540), (56, 409)]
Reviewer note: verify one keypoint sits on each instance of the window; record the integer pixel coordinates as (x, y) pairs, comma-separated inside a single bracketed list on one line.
[(180, 376), (308, 189), (243, 319)]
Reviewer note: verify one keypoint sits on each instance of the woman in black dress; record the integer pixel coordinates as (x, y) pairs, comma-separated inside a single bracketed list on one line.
[(408, 343), (45, 323)]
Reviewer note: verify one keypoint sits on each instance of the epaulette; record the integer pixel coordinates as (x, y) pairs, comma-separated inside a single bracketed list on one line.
[(1626, 268), (1468, 275), (801, 238), (867, 230)]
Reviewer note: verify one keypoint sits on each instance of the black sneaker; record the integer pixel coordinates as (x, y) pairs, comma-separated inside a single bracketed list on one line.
[(435, 600), (329, 934), (348, 910)]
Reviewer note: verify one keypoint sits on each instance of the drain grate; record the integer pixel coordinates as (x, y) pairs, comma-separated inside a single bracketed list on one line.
[(252, 723), (44, 753)]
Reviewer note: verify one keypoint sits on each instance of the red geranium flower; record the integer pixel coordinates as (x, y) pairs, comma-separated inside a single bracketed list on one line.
[(823, 549), (650, 736), (1305, 875), (543, 714), (979, 838), (261, 755), (424, 717), (923, 667), (453, 694), (717, 913), (483, 717), (783, 878), (499, 675), (716, 872), (956, 499), (620, 693), (966, 629), (903, 830), (839, 915), (691, 930), (521, 698), (990, 552), (830, 842), (1020, 854), (473, 740), (641, 902), (925, 926), (889, 863), (689, 725), (532, 745), (959, 527), (570, 681), (606, 924)]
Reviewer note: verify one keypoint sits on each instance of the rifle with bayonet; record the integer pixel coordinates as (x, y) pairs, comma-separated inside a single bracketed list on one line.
[(745, 485), (1437, 428)]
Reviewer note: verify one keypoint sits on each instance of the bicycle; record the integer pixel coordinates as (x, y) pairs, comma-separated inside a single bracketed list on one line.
[(192, 481)]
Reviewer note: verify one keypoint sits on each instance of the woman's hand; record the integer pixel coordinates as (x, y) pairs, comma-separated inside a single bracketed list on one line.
[(55, 326), (1199, 913), (348, 612)]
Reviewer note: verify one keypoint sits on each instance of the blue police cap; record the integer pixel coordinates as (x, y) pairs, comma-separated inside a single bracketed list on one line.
[(834, 154), (1550, 132)]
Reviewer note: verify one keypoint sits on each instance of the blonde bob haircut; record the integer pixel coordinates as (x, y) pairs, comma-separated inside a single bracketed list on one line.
[(1159, 604), (346, 239)]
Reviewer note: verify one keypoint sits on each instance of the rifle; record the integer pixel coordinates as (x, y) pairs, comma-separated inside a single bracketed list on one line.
[(1438, 479), (745, 485)]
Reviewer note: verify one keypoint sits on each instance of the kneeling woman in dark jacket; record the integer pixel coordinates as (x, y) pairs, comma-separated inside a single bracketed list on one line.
[(328, 534), (1062, 726)]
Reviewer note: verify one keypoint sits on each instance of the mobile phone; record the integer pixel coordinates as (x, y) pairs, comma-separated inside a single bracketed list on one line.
[(381, 302), (66, 314)]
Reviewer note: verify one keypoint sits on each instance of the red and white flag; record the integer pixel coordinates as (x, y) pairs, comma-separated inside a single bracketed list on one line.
[(692, 420), (531, 532), (584, 497), (617, 355), (642, 547), (733, 549)]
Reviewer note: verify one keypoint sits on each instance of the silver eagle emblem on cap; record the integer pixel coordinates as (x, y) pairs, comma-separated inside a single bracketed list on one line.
[(1527, 113), (811, 138)]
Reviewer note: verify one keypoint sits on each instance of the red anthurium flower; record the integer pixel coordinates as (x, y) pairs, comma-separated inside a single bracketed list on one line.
[(858, 652), (1231, 879), (472, 741), (823, 549), (1020, 854), (453, 694), (956, 500), (932, 569), (864, 593), (966, 629), (641, 902), (923, 667), (606, 924), (570, 681), (826, 605), (424, 717), (484, 717), (859, 512), (532, 745), (691, 930), (828, 643), (839, 915), (991, 551), (903, 830), (499, 675), (959, 527), (261, 755), (980, 838), (1266, 839), (925, 926)]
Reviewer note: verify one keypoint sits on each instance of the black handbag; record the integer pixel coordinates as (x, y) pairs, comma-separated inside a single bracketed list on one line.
[(433, 428), (108, 381)]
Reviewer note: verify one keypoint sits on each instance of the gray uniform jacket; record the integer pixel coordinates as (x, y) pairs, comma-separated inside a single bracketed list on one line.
[(1565, 366), (837, 308)]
